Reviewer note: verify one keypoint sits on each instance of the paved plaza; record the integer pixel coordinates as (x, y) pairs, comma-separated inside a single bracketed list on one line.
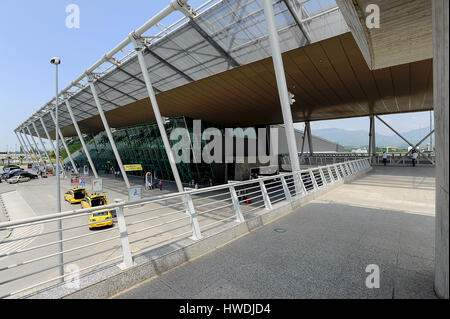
[(385, 218)]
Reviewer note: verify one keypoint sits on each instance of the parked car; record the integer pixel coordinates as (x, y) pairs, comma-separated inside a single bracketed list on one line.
[(100, 218), (75, 195), (11, 173), (94, 200), (18, 179), (27, 174), (8, 168)]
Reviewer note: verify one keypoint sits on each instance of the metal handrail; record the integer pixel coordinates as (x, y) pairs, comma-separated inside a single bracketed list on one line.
[(288, 186)]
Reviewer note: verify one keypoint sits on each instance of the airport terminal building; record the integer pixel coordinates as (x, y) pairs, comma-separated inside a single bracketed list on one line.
[(142, 144), (215, 65)]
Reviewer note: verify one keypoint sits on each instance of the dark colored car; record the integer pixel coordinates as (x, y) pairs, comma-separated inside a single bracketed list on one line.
[(27, 174), (11, 173), (9, 168)]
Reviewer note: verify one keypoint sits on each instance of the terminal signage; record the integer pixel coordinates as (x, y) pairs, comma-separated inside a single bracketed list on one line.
[(97, 185), (134, 193), (133, 167)]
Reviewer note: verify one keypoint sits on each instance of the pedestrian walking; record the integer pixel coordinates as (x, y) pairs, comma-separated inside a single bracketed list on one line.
[(384, 158), (160, 185)]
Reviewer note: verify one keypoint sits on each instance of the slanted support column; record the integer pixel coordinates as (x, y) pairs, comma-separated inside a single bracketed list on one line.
[(64, 144), (282, 86), (42, 143), (310, 144), (41, 160), (31, 148), (372, 148), (441, 112), (107, 129), (51, 142), (139, 45), (80, 136), (27, 155)]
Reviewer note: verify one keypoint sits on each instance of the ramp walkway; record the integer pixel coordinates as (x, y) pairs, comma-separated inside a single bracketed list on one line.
[(322, 249)]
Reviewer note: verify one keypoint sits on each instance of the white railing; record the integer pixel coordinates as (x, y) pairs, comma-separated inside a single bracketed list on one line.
[(393, 159), (29, 257)]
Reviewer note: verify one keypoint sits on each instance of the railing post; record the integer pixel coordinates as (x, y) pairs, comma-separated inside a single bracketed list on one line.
[(341, 166), (349, 169), (331, 174), (360, 165), (322, 175), (236, 206), (298, 177), (287, 193), (267, 202), (352, 167), (196, 233), (124, 241), (313, 179)]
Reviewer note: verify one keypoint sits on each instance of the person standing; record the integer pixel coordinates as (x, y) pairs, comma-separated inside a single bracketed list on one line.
[(384, 158), (160, 185), (414, 157)]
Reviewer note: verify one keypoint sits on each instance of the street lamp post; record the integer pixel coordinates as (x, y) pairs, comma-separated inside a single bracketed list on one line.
[(56, 62)]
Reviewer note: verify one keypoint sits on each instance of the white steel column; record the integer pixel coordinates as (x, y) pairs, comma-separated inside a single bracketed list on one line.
[(107, 129), (50, 140), (27, 155), (282, 86), (31, 148), (310, 144), (30, 152), (41, 160), (64, 143), (154, 103), (80, 136), (42, 143)]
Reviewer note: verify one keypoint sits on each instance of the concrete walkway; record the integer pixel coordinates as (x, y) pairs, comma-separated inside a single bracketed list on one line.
[(385, 218)]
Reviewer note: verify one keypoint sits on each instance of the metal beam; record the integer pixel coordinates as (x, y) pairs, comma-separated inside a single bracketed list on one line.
[(171, 66), (117, 90), (138, 44), (310, 143), (41, 160), (28, 156), (392, 129), (80, 136), (283, 93), (64, 144), (414, 147), (211, 41), (42, 143), (134, 77), (30, 148), (108, 130), (51, 141), (297, 19)]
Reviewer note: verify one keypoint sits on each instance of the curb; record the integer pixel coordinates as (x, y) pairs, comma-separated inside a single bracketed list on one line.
[(5, 212)]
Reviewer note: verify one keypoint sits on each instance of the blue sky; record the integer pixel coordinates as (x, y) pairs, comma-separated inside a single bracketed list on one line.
[(31, 32)]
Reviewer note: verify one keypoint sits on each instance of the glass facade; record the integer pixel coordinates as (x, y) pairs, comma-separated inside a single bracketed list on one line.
[(142, 144)]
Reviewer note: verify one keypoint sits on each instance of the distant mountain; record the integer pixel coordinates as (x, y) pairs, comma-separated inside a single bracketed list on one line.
[(360, 138)]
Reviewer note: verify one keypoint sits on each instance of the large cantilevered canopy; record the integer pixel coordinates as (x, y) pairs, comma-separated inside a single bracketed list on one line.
[(330, 79), (226, 36), (217, 67)]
